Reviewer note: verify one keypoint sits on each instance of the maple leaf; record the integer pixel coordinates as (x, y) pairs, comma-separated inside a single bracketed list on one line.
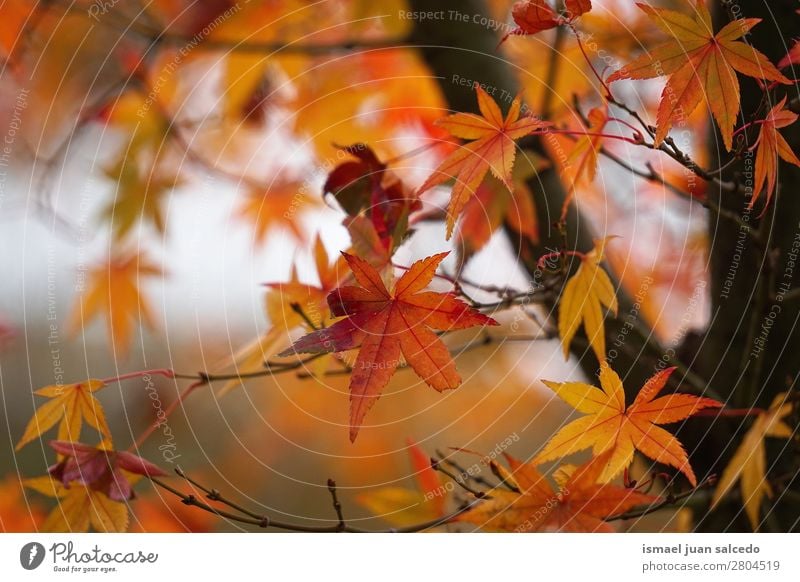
[(113, 291), (699, 63), (280, 206), (99, 468), (79, 508), (582, 301), (583, 157), (493, 205), (287, 305), (771, 145), (401, 506), (532, 16), (493, 150), (377, 202), (611, 427), (579, 504), (70, 404), (387, 325), (749, 463), (137, 198)]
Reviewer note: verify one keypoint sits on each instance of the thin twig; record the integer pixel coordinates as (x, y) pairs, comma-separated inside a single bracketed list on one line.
[(459, 480), (336, 505), (249, 517)]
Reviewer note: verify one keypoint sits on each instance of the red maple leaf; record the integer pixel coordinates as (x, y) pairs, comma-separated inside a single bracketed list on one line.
[(386, 325)]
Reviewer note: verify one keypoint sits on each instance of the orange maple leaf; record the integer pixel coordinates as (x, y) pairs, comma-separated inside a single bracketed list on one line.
[(772, 145), (113, 291), (280, 206), (387, 325), (494, 149), (699, 63), (611, 427), (581, 504), (583, 157)]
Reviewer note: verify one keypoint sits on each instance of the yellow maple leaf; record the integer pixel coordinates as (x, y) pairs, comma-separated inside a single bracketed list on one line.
[(582, 301), (749, 463), (113, 291), (79, 508), (71, 405), (611, 427)]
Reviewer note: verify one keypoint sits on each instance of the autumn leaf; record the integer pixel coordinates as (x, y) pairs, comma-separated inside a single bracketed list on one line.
[(377, 202), (79, 507), (699, 64), (401, 506), (494, 205), (770, 146), (579, 504), (583, 157), (137, 198), (112, 291), (70, 405), (386, 325), (582, 161), (532, 16), (100, 468), (493, 150), (288, 306), (582, 301), (279, 207), (611, 427), (577, 8), (352, 182), (749, 463)]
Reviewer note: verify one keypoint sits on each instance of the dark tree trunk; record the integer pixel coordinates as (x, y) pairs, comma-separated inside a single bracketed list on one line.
[(750, 349), (744, 278), (462, 49)]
